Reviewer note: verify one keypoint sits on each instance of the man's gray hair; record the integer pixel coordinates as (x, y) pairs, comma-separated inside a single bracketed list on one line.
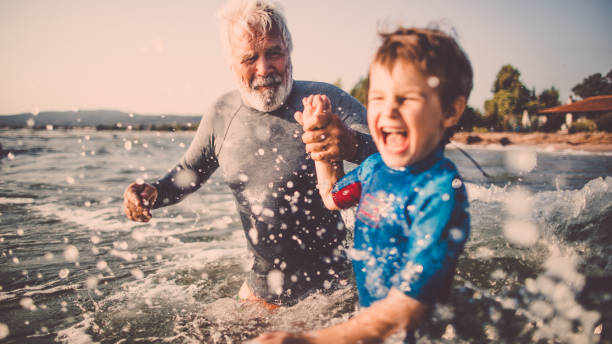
[(256, 16)]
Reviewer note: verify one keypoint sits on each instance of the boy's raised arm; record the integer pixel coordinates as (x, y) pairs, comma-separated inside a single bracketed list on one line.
[(377, 322), (316, 110)]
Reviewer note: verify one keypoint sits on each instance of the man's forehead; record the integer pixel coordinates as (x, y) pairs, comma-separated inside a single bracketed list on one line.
[(241, 39)]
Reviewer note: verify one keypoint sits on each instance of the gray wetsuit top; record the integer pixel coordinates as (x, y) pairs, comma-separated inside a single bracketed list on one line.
[(265, 164)]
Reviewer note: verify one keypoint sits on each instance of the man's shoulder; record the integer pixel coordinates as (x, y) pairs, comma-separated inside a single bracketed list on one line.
[(305, 88), (343, 103), (225, 104), (230, 98)]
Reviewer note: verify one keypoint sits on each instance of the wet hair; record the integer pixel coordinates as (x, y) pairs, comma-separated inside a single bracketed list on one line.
[(435, 54), (256, 16)]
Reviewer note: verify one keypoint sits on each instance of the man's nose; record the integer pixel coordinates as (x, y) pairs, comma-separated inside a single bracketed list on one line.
[(264, 66)]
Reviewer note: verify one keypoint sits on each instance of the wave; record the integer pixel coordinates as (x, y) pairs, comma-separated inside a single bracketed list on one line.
[(17, 200)]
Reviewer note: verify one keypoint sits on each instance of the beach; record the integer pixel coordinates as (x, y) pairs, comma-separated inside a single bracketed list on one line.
[(591, 142)]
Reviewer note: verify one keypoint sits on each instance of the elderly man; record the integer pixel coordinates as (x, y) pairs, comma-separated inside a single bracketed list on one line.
[(251, 133)]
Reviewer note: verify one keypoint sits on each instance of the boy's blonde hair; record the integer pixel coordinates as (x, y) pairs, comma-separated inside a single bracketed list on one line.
[(435, 54)]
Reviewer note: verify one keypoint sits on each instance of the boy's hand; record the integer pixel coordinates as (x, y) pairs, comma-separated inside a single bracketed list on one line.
[(325, 135), (317, 109)]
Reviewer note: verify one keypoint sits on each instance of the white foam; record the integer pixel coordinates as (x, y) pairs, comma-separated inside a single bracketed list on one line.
[(7, 200)]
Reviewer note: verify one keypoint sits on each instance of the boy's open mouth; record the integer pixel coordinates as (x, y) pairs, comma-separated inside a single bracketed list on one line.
[(394, 138)]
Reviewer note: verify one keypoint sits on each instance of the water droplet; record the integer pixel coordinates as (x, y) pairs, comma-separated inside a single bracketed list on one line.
[(138, 235), (449, 333), (521, 161), (92, 282), (253, 235), (137, 273), (519, 203), (275, 281), (4, 330), (433, 81), (27, 303), (456, 234), (185, 178), (243, 177), (71, 253), (456, 183), (498, 274), (63, 273), (101, 265), (521, 233)]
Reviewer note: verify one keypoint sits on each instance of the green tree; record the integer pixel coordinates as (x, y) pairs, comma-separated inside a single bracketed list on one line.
[(360, 90), (510, 98), (471, 118), (594, 85), (548, 98)]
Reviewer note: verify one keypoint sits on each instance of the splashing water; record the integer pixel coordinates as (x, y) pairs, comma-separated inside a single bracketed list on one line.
[(73, 269)]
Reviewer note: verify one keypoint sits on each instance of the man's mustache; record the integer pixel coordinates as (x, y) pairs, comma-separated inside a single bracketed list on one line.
[(268, 80)]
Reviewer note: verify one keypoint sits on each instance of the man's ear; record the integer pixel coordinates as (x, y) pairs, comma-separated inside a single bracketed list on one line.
[(456, 110)]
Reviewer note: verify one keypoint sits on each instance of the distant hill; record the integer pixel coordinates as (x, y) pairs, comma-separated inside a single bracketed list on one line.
[(101, 119)]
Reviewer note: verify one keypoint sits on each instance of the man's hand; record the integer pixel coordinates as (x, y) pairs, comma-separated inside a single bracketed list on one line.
[(325, 135), (137, 201), (283, 338)]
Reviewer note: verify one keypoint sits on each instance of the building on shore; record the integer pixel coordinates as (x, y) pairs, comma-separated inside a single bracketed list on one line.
[(597, 109)]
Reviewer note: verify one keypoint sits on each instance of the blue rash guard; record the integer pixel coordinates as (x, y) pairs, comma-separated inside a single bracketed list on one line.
[(410, 228)]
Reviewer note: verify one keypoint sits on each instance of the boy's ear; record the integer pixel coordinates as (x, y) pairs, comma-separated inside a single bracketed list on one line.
[(456, 110)]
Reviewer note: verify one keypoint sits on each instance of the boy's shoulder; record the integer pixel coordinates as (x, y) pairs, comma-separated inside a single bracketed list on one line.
[(370, 165), (441, 177)]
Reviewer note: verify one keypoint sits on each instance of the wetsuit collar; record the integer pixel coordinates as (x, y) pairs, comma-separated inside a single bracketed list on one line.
[(423, 164)]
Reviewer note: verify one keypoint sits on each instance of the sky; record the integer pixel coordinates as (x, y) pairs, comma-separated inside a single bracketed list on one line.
[(159, 57)]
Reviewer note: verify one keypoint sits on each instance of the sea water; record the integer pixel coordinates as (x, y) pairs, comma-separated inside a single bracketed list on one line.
[(536, 268)]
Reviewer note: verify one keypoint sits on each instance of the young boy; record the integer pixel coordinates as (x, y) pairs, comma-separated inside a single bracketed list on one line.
[(412, 220)]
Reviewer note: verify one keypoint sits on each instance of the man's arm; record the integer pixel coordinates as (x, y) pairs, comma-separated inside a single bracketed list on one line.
[(330, 139), (373, 325), (196, 166), (341, 134)]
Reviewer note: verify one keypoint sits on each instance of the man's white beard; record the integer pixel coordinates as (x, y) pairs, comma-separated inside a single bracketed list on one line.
[(267, 100)]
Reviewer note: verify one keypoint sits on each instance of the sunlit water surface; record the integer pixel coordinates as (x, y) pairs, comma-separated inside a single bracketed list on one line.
[(73, 269)]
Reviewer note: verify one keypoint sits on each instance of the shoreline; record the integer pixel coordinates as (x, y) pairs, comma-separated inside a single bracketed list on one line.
[(590, 142)]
